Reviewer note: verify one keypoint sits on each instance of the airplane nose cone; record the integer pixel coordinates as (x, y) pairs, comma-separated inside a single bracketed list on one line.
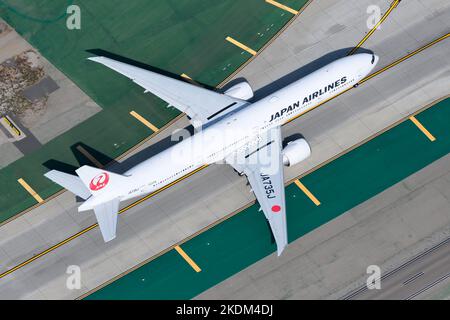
[(364, 63)]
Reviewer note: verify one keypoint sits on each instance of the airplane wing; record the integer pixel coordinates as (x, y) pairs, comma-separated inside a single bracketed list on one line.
[(200, 104), (106, 214), (263, 166)]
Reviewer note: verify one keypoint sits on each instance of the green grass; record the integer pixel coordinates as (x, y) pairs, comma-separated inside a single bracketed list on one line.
[(178, 36), (245, 238)]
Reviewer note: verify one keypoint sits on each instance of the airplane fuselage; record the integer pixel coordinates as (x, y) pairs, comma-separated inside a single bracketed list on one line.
[(237, 129)]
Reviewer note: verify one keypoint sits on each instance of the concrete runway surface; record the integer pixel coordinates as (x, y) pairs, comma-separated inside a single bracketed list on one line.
[(414, 278)]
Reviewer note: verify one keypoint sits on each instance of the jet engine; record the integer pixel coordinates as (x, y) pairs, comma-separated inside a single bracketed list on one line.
[(241, 91), (295, 152)]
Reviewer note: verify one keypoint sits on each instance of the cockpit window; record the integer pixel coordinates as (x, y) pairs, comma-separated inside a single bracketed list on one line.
[(373, 58)]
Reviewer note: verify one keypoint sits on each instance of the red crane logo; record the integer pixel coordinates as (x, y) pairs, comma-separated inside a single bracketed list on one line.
[(99, 181)]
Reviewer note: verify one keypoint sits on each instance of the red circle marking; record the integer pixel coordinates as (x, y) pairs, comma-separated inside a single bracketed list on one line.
[(99, 181), (276, 208)]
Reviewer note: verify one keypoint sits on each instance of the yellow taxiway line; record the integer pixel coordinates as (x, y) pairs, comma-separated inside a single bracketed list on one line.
[(268, 43), (30, 190), (241, 45), (188, 259), (282, 6), (144, 121), (203, 167), (377, 25), (190, 80), (184, 75), (422, 128), (89, 156), (307, 192)]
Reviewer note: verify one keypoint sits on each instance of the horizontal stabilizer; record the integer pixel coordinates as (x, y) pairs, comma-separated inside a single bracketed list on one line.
[(264, 170), (106, 214), (69, 182)]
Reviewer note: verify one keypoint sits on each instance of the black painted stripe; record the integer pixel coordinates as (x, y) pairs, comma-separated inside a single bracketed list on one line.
[(222, 110)]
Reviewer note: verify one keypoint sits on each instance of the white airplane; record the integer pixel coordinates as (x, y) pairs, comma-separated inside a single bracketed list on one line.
[(253, 144)]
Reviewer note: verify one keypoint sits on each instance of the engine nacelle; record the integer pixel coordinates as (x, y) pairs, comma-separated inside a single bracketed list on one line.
[(295, 152), (241, 91)]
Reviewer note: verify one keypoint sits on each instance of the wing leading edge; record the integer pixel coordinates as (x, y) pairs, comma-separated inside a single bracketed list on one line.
[(262, 164), (200, 104)]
